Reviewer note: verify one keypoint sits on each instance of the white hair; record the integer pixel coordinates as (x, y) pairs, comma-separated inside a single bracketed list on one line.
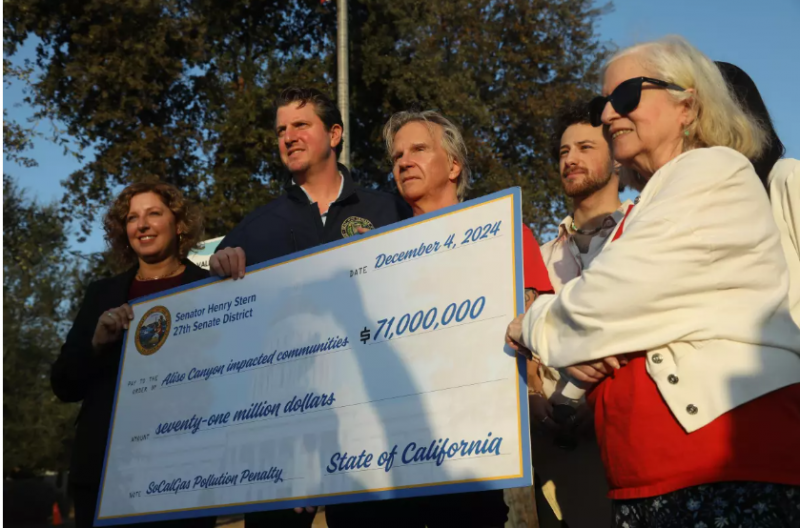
[(452, 141), (720, 120)]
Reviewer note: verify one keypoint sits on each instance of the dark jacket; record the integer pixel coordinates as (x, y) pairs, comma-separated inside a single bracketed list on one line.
[(81, 375), (292, 223)]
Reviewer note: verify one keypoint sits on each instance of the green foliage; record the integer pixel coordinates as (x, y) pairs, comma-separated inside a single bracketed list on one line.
[(41, 278), (17, 138), (182, 91), (499, 69), (38, 278)]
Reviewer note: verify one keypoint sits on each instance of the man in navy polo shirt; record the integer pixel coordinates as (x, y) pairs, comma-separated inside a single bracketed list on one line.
[(321, 203)]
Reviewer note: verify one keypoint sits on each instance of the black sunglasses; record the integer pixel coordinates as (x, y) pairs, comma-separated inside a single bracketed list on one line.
[(625, 97)]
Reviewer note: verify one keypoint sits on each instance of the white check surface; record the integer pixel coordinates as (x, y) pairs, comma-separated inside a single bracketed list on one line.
[(448, 380)]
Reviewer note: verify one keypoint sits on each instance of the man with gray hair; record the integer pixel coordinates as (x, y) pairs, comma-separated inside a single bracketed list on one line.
[(429, 164), (429, 160)]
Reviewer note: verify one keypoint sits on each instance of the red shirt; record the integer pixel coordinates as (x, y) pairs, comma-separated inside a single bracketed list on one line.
[(142, 288), (646, 452), (535, 271)]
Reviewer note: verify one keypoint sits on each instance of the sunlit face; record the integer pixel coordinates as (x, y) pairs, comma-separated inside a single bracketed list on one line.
[(152, 228), (584, 160), (302, 139), (650, 135), (420, 164)]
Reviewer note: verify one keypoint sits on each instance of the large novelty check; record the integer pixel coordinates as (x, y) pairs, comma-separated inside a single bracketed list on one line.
[(371, 368)]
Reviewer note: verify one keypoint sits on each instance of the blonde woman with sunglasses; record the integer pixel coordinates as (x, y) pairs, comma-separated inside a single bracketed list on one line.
[(700, 426)]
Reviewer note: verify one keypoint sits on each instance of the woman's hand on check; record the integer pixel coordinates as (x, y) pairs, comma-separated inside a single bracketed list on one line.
[(110, 326), (308, 509)]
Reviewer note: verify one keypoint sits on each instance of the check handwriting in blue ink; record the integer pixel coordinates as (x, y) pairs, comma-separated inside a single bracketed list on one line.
[(430, 320)]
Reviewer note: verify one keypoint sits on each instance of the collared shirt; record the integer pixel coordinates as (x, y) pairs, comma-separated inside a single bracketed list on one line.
[(563, 256), (565, 261), (324, 216), (291, 223)]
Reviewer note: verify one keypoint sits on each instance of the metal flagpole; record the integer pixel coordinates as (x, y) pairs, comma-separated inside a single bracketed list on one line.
[(343, 79)]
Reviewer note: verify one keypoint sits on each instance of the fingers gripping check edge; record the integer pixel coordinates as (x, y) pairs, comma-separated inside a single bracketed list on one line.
[(228, 262)]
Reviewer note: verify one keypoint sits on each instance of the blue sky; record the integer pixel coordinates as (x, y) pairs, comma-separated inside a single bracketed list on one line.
[(760, 36)]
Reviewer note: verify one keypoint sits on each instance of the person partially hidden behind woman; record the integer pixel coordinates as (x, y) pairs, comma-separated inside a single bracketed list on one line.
[(780, 176), (700, 428), (151, 228)]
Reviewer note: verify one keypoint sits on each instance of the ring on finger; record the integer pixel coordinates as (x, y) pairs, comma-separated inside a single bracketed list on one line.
[(110, 314)]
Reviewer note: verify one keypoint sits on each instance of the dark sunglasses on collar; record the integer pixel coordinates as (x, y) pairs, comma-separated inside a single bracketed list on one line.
[(625, 97)]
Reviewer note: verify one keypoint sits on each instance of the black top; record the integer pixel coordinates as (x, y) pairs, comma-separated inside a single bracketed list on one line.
[(292, 223), (81, 375)]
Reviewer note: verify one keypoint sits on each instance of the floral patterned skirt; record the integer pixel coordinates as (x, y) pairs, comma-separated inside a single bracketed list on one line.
[(731, 504)]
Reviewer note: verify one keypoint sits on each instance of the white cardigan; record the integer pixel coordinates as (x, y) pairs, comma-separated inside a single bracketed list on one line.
[(698, 280), (784, 195)]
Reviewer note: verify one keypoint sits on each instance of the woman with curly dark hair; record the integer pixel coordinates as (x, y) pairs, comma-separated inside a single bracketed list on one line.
[(150, 228)]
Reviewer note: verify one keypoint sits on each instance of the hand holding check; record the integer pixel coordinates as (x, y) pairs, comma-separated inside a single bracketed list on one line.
[(588, 372)]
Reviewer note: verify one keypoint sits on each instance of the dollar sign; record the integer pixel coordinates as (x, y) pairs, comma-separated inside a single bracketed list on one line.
[(365, 335)]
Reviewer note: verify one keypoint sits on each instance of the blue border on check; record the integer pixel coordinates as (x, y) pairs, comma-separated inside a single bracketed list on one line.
[(524, 478)]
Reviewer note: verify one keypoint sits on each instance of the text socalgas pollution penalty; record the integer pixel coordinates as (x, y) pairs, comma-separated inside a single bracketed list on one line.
[(178, 485)]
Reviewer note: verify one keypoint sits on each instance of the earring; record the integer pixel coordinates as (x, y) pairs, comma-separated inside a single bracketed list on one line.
[(686, 132)]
